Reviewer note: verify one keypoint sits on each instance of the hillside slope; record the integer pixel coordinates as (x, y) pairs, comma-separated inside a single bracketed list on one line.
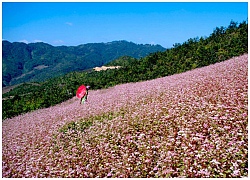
[(192, 124), (35, 61), (224, 43)]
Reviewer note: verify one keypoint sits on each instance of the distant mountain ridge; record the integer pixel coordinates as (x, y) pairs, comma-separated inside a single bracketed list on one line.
[(40, 61)]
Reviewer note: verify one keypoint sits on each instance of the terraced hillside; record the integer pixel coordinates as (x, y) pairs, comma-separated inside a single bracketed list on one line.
[(193, 124)]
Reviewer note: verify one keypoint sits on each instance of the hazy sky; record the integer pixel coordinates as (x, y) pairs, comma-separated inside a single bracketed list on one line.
[(164, 23)]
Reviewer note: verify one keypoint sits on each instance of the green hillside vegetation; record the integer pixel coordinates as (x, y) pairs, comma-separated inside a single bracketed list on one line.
[(35, 61), (122, 61), (222, 44)]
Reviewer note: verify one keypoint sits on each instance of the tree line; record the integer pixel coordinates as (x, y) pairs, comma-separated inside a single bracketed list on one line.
[(222, 44)]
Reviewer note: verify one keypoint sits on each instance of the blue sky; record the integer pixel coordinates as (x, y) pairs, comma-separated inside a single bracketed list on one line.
[(71, 24)]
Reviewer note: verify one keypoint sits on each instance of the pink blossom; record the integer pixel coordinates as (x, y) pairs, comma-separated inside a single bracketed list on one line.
[(205, 125), (155, 168), (227, 127), (128, 137), (109, 174), (236, 172), (192, 124)]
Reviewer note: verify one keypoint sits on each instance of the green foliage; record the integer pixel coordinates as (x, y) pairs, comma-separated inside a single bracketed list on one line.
[(35, 61), (221, 45), (85, 123), (122, 61)]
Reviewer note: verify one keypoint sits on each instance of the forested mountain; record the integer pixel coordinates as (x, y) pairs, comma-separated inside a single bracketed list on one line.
[(222, 44), (35, 61), (122, 61)]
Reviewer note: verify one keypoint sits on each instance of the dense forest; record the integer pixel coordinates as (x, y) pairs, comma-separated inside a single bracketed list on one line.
[(222, 44), (35, 61)]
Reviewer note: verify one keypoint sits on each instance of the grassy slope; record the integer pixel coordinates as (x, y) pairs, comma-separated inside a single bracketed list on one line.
[(192, 124)]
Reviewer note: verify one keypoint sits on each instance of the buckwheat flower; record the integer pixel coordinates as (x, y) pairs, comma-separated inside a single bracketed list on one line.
[(195, 138), (190, 108), (180, 133), (198, 155), (128, 137), (230, 143), (214, 161), (167, 171), (205, 172), (155, 169), (240, 161), (244, 114), (185, 148), (223, 117), (205, 125), (235, 165), (109, 174), (215, 118), (236, 172)]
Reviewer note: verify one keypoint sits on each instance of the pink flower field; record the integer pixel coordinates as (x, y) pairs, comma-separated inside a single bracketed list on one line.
[(193, 124)]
